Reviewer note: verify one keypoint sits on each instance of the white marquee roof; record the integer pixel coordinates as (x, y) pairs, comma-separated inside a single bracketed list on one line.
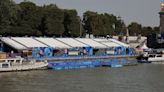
[(91, 42), (21, 43), (53, 42), (72, 42), (118, 42), (28, 42), (107, 42), (13, 43)]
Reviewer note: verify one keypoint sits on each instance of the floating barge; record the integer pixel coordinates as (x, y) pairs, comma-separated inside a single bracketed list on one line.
[(90, 62), (69, 52), (74, 64)]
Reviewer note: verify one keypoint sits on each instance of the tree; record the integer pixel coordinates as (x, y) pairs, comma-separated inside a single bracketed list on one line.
[(146, 31), (109, 24), (156, 29), (29, 19), (134, 29), (102, 24), (54, 18), (120, 28), (71, 23), (88, 21), (8, 16)]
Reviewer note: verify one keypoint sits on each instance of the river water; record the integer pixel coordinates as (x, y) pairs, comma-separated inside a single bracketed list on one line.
[(139, 78)]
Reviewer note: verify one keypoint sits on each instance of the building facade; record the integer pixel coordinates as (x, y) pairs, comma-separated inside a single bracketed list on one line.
[(161, 13), (156, 40)]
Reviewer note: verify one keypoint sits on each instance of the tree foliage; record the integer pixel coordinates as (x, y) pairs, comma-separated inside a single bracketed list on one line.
[(28, 19), (102, 24), (8, 16), (53, 18), (134, 29), (71, 23)]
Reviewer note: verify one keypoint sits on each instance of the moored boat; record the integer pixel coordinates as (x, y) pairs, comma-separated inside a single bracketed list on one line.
[(143, 58), (151, 58), (156, 57), (21, 64)]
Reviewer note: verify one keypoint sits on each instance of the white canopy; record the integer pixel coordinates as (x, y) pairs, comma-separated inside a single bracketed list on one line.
[(144, 46), (91, 42), (53, 43), (107, 42), (21, 43), (13, 43), (28, 42), (72, 42)]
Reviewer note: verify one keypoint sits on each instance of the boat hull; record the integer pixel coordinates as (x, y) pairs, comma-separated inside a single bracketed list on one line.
[(76, 64), (35, 66)]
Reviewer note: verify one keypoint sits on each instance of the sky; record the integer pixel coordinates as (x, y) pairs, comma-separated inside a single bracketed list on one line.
[(144, 12)]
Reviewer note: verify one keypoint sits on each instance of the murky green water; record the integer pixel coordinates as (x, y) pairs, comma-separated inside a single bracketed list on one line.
[(140, 78)]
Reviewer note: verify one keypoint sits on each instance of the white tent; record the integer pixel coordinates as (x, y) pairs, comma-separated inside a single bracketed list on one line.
[(144, 46)]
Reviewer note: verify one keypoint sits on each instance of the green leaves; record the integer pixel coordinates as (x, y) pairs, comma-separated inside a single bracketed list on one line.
[(53, 18), (101, 24), (135, 29), (8, 13), (71, 23), (28, 19)]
